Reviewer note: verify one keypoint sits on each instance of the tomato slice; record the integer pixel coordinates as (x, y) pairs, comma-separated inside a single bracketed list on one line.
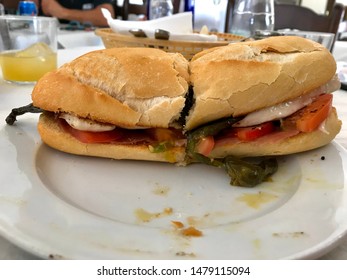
[(205, 145), (96, 137), (254, 132), (314, 114), (93, 137)]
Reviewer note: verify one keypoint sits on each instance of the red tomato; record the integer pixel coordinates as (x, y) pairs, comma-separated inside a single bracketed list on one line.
[(96, 137), (93, 137), (254, 132), (314, 114), (205, 145)]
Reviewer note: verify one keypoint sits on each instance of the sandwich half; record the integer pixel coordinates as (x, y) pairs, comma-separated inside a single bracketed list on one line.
[(121, 103), (262, 98)]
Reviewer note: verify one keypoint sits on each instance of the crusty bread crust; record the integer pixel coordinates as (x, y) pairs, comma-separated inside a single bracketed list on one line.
[(133, 86), (295, 144), (240, 78), (54, 136)]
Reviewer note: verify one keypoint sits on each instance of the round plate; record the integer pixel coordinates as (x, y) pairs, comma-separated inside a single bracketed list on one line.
[(57, 205)]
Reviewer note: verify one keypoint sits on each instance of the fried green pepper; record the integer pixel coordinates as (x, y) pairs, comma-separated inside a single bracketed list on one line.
[(242, 172)]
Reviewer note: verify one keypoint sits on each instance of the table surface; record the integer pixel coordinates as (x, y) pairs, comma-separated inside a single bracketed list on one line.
[(88, 41)]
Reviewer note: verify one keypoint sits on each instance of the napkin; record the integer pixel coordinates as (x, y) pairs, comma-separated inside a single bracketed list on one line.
[(179, 25)]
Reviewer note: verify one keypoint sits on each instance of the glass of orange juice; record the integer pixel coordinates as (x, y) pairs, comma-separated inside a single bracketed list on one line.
[(28, 47)]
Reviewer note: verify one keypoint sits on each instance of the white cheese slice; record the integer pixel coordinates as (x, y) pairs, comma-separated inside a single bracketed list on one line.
[(287, 108), (86, 124)]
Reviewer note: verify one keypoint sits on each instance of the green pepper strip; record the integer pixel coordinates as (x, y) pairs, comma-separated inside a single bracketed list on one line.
[(30, 108), (241, 172)]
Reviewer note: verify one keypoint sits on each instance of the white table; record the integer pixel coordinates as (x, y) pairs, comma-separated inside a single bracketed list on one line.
[(340, 51), (79, 38), (10, 251)]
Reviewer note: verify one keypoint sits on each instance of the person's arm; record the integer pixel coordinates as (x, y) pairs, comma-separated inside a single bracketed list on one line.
[(53, 8)]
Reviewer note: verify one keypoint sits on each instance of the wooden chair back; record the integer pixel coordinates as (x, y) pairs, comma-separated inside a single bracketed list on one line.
[(11, 6), (302, 18), (299, 17), (229, 11)]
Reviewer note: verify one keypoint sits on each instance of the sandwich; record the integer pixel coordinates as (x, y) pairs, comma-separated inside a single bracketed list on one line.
[(278, 92), (255, 99), (116, 103)]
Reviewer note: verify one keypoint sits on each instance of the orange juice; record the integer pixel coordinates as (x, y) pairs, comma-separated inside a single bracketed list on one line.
[(28, 65)]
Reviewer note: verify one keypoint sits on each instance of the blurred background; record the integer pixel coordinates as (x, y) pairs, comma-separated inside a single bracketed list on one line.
[(213, 12)]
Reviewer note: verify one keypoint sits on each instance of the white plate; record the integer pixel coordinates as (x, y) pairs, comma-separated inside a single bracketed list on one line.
[(57, 205)]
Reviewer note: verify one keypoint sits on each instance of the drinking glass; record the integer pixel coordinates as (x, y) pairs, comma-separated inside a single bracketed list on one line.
[(28, 47), (252, 15)]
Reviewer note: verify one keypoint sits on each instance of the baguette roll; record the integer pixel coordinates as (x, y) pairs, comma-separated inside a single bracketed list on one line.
[(127, 87), (241, 78), (131, 89)]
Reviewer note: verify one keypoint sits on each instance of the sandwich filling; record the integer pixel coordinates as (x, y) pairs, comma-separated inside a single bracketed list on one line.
[(299, 115), (88, 131), (302, 114)]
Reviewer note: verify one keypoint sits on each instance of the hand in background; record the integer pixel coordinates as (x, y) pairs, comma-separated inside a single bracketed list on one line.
[(53, 8)]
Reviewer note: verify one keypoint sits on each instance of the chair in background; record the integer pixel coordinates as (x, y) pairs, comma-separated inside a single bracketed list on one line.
[(302, 18), (123, 11), (299, 17), (128, 8), (229, 11), (11, 6), (329, 6), (176, 6)]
